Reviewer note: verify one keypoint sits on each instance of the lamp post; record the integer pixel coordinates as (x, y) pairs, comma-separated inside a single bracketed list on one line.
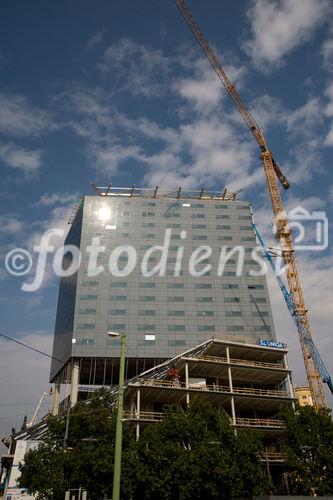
[(119, 425)]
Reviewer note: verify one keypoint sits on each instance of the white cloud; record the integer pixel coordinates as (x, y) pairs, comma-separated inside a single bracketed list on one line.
[(110, 158), (329, 113), (19, 117), (11, 224), (94, 41), (329, 137), (195, 152), (202, 88), (205, 93), (305, 119), (279, 26), (327, 54), (301, 122), (184, 152), (217, 152), (49, 199), (26, 160), (302, 126), (330, 194), (137, 69), (56, 218), (24, 233), (201, 139)]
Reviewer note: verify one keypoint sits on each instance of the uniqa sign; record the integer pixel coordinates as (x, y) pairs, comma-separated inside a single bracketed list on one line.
[(271, 343)]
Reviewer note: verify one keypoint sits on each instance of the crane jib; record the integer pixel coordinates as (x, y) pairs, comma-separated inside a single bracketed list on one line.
[(230, 88)]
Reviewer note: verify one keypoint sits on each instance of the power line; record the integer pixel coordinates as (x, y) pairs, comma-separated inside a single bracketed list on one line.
[(18, 404), (12, 416), (30, 347)]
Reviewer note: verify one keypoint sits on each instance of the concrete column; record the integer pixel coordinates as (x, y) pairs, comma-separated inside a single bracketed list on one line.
[(230, 379), (138, 403), (232, 401), (75, 374), (187, 384), (290, 386), (285, 362), (228, 354), (56, 398), (233, 412)]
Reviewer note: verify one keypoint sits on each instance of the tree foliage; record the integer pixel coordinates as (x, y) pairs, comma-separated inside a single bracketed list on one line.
[(308, 447), (196, 454), (87, 460), (192, 453)]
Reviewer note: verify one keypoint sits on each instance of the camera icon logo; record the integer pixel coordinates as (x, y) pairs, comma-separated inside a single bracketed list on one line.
[(310, 229)]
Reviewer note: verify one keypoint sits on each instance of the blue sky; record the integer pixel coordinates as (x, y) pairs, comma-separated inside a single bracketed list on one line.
[(120, 91)]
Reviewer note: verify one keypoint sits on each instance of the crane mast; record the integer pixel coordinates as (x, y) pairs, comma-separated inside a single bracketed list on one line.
[(317, 359), (283, 230)]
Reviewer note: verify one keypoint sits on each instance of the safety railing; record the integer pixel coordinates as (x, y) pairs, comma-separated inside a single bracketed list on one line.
[(247, 362), (153, 416), (215, 388), (272, 456), (260, 392), (143, 415), (259, 422)]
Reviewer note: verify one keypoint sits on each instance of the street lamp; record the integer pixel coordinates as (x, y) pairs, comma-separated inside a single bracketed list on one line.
[(119, 425)]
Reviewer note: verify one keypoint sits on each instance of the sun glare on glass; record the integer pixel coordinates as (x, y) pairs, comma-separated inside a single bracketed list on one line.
[(104, 213)]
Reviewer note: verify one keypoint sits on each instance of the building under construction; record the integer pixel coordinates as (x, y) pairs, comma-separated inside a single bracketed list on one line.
[(250, 380), (208, 332), (168, 307)]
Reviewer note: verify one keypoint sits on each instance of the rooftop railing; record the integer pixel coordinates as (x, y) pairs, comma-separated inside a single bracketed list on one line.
[(157, 192)]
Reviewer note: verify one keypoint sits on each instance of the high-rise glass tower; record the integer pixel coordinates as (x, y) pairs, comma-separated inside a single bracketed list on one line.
[(170, 269)]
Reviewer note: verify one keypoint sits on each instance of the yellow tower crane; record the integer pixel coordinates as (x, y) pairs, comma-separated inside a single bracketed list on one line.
[(283, 230)]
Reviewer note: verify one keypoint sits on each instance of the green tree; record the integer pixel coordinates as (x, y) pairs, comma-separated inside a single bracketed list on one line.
[(86, 462), (308, 446), (194, 453)]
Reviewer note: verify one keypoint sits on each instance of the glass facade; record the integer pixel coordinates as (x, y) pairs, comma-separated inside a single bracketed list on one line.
[(161, 314)]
